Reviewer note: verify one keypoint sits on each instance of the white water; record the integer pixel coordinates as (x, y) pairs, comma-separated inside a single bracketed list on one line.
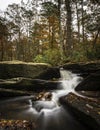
[(69, 82), (56, 117)]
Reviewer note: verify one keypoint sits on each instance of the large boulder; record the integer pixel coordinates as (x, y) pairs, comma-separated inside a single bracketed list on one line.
[(91, 83), (84, 69), (86, 109), (12, 69), (51, 73)]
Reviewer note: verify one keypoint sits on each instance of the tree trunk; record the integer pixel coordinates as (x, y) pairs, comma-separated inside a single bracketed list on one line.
[(95, 39), (82, 20), (52, 37), (69, 44), (2, 50), (60, 29), (49, 33), (78, 24)]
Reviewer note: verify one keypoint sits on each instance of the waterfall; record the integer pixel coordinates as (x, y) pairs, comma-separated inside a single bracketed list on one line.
[(65, 74), (69, 82)]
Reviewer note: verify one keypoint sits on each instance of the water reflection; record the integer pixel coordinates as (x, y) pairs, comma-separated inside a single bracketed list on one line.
[(18, 108), (58, 119)]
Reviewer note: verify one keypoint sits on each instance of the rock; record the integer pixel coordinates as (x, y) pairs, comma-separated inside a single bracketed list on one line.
[(12, 69), (93, 94), (91, 83), (29, 84), (8, 93), (50, 73), (75, 68), (90, 72), (44, 96), (86, 109), (84, 69), (17, 124), (48, 96)]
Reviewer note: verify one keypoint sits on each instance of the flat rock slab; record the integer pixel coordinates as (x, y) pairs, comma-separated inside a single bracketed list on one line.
[(12, 69), (29, 84), (9, 93), (88, 106)]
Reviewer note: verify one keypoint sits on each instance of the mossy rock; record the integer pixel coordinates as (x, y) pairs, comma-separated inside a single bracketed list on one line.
[(12, 69)]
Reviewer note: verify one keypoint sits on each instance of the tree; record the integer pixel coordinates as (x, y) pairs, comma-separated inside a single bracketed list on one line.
[(78, 18), (50, 12), (28, 14), (69, 41), (3, 37), (93, 20), (13, 13)]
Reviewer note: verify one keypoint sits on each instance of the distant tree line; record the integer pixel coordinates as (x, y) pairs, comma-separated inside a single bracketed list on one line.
[(50, 30)]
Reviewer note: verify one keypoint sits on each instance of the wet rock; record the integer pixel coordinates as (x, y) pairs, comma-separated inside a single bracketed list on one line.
[(93, 94), (75, 68), (91, 83), (44, 96), (83, 69), (29, 84), (8, 93), (48, 96), (12, 69), (51, 73), (86, 109)]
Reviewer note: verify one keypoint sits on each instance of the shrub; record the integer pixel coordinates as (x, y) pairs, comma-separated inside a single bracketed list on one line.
[(51, 56)]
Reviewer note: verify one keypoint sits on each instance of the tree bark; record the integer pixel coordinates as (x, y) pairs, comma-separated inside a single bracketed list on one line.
[(78, 24), (2, 50), (82, 20), (69, 44), (60, 29), (94, 42)]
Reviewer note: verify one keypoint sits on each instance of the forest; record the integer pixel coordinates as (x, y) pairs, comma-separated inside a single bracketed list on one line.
[(51, 31), (50, 65)]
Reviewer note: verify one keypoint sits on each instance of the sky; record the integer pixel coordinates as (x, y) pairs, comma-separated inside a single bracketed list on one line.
[(5, 3)]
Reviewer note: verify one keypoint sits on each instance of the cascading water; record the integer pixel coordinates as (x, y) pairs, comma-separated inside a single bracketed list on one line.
[(69, 81), (48, 115)]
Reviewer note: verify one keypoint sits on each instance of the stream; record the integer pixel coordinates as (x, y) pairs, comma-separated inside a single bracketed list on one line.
[(49, 114)]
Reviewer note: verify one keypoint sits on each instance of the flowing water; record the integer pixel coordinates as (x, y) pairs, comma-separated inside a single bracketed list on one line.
[(48, 115)]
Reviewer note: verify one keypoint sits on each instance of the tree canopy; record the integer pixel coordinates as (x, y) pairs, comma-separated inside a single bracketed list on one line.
[(52, 31)]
